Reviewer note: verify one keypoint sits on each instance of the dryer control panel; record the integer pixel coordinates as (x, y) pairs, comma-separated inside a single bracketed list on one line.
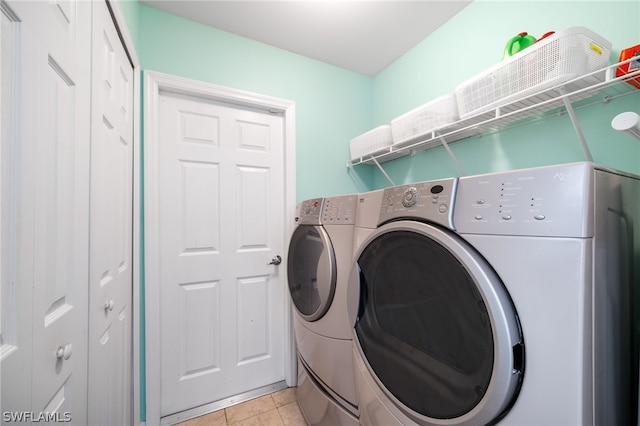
[(543, 201), (308, 212), (339, 210), (431, 201)]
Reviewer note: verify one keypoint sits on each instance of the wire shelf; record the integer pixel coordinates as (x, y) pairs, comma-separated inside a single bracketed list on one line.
[(594, 88)]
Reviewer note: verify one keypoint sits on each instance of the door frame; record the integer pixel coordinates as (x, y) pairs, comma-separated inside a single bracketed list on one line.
[(126, 38), (154, 83)]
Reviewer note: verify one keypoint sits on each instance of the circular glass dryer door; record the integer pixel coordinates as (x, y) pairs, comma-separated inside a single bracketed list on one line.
[(436, 327), (311, 271)]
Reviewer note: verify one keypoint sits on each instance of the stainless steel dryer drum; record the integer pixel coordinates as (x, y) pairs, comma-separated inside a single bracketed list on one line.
[(508, 298)]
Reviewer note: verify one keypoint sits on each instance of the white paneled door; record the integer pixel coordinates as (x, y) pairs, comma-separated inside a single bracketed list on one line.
[(110, 262), (221, 200), (45, 204)]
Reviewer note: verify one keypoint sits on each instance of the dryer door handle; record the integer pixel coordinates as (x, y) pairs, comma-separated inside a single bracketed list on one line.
[(276, 260)]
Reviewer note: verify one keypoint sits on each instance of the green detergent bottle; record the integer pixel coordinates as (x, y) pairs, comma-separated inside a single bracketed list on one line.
[(518, 43)]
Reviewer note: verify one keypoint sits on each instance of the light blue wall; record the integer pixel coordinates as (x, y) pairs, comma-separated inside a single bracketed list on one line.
[(130, 10), (332, 105), (473, 41)]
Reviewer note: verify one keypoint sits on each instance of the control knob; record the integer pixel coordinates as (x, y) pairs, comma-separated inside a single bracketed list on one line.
[(410, 197)]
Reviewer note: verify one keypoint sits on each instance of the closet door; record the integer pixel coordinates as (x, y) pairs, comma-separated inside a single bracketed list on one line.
[(47, 53), (110, 310), (17, 225)]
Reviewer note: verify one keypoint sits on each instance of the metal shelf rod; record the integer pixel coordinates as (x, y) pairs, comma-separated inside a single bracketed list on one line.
[(383, 172), (452, 155), (577, 128)]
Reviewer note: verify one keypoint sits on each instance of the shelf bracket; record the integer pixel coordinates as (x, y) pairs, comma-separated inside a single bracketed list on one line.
[(576, 126), (382, 170), (451, 154)]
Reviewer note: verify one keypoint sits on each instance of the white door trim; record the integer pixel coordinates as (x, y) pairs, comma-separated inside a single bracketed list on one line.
[(123, 29), (154, 83)]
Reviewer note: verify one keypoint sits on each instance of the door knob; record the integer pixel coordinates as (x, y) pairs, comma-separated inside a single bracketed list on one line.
[(276, 260), (64, 351), (108, 305)]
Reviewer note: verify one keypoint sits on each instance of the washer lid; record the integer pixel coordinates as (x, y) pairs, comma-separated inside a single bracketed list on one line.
[(311, 271), (436, 326)]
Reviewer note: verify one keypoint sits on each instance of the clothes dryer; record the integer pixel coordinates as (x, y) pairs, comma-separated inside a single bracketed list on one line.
[(319, 261), (506, 298)]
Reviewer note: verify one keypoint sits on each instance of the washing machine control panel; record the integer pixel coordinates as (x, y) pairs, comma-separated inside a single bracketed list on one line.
[(431, 201), (308, 212), (339, 210), (543, 201)]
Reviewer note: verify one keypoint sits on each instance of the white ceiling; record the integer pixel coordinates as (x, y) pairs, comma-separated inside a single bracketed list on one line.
[(364, 36)]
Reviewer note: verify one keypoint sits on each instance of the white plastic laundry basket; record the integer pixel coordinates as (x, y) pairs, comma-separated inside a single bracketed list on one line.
[(371, 141), (425, 118), (560, 57)]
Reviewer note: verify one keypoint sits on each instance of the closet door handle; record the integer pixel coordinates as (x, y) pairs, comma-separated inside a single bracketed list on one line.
[(108, 305), (64, 351), (276, 260)]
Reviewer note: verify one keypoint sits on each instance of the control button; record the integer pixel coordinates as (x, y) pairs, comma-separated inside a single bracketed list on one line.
[(478, 217), (506, 217), (435, 200), (539, 217), (436, 189), (480, 201), (442, 208)]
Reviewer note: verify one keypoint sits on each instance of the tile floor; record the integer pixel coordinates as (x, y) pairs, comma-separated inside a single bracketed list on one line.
[(276, 409)]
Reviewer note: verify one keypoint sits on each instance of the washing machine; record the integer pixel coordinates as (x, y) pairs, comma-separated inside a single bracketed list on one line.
[(319, 260), (508, 298)]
